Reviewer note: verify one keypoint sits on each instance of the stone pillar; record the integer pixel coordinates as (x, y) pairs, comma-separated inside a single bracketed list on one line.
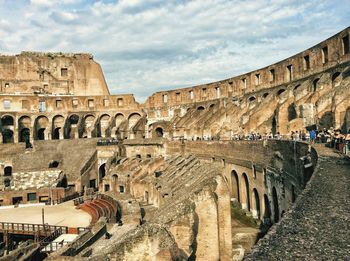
[(224, 219), (208, 231), (60, 133), (31, 135)]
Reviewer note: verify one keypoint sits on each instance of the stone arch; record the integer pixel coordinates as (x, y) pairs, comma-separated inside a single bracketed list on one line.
[(24, 135), (245, 196), (292, 113), (88, 128), (57, 127), (267, 210), (256, 204), (7, 120), (346, 121), (71, 128), (276, 212), (40, 128), (119, 118), (7, 136), (315, 84), (53, 164), (103, 125), (8, 171), (24, 125), (133, 119), (265, 94), (235, 185), (211, 105), (7, 126), (159, 132), (296, 87), (336, 79), (251, 98), (101, 172), (7, 182), (200, 108), (327, 120), (280, 91)]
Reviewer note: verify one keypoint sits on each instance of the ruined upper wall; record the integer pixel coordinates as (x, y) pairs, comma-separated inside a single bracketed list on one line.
[(333, 51), (51, 73)]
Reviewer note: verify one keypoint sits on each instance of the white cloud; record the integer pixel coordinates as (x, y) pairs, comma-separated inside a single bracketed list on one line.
[(144, 46)]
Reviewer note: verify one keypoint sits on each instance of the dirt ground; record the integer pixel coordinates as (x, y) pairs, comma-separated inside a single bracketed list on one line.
[(64, 214)]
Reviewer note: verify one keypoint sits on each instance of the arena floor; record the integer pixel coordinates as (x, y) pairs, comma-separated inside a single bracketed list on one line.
[(64, 214)]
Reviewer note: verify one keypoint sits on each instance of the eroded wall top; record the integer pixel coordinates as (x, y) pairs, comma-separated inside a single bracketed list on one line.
[(51, 73), (334, 50)]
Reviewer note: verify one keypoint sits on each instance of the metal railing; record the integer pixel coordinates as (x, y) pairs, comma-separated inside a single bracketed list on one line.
[(26, 228)]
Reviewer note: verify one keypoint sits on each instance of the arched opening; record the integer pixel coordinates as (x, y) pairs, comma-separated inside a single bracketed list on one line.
[(235, 185), (200, 108), (7, 183), (24, 135), (7, 121), (103, 125), (102, 172), (245, 199), (327, 120), (267, 211), (8, 171), (89, 126), (56, 133), (211, 106), (292, 192), (280, 92), (7, 124), (24, 129), (292, 113), (41, 134), (63, 183), (252, 98), (74, 119), (256, 213), (265, 94), (274, 126), (159, 132), (57, 127), (336, 79), (315, 84), (53, 164), (297, 87), (275, 205), (41, 124), (71, 124), (133, 119), (7, 136)]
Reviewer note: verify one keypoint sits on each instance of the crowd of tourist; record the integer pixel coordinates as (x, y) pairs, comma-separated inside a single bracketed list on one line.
[(333, 138)]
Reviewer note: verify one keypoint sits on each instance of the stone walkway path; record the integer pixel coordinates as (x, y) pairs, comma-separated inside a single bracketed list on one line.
[(318, 227)]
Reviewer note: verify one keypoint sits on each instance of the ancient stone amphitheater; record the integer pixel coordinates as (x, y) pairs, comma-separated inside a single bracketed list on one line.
[(168, 179)]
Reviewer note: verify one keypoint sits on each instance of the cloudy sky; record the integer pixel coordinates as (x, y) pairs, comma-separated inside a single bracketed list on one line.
[(148, 45)]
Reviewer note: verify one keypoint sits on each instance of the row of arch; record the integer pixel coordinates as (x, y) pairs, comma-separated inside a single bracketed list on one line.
[(335, 78), (252, 201), (73, 126)]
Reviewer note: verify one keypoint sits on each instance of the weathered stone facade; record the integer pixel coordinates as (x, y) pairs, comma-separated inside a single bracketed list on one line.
[(170, 163)]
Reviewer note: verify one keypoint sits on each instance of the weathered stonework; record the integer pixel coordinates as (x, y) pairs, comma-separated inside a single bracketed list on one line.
[(171, 165)]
